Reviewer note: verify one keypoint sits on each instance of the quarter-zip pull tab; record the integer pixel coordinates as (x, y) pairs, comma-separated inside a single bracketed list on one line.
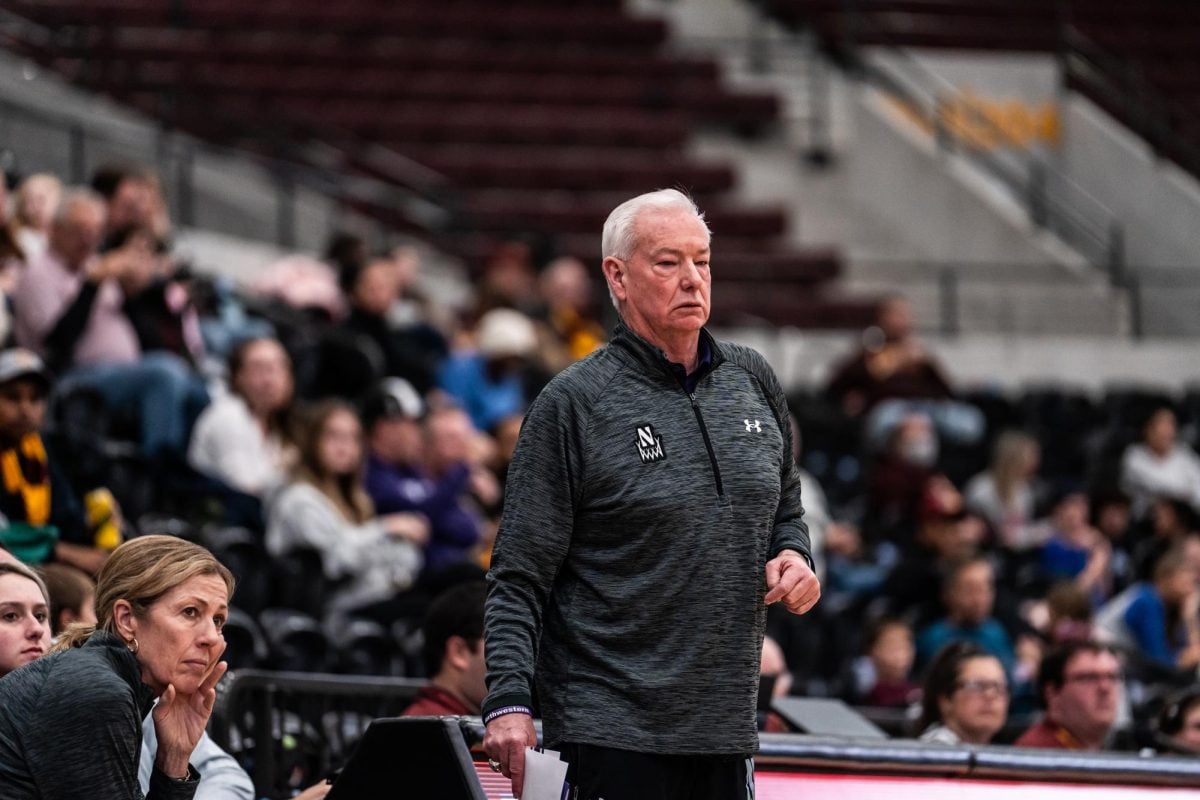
[(712, 456)]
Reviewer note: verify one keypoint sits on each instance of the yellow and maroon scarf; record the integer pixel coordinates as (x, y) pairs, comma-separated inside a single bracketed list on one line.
[(26, 472)]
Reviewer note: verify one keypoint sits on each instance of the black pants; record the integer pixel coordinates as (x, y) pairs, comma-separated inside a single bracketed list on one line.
[(605, 773)]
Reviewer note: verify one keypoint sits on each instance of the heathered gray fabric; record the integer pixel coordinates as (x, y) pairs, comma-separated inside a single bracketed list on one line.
[(635, 587), (71, 727)]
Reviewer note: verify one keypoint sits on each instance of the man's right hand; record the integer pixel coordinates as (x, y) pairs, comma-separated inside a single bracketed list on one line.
[(505, 741)]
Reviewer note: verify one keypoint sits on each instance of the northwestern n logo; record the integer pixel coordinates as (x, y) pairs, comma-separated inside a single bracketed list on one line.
[(649, 444)]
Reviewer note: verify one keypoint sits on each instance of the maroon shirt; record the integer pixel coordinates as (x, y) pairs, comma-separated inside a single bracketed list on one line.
[(1049, 734), (433, 701)]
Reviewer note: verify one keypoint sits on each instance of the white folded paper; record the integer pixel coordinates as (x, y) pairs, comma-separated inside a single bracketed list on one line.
[(545, 775)]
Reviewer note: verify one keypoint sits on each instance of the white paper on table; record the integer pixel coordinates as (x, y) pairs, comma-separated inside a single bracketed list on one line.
[(544, 776)]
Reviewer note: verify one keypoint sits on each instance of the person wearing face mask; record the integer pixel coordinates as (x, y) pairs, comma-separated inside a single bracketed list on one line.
[(898, 480), (24, 616), (161, 603)]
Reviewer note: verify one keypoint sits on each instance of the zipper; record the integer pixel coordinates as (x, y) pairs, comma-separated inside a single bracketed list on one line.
[(712, 457)]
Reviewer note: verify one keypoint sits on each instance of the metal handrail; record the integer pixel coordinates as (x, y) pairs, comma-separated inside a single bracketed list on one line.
[(1052, 200)]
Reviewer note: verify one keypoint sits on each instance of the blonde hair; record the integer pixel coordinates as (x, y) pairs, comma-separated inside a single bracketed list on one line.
[(1008, 460), (141, 571), (17, 568)]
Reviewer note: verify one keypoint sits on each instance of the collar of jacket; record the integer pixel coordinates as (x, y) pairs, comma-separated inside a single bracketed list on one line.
[(126, 665), (651, 358)]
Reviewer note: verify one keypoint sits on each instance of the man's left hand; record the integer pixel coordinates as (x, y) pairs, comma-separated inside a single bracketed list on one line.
[(790, 579)]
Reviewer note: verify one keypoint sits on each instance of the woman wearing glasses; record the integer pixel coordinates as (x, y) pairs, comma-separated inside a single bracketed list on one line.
[(965, 699)]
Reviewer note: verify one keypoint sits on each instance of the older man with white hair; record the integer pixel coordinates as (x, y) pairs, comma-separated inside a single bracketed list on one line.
[(652, 513)]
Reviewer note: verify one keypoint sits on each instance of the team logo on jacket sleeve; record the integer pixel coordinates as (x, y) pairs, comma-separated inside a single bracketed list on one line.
[(649, 445)]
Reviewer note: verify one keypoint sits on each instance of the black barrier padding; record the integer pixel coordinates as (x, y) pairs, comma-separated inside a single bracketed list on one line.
[(417, 758)]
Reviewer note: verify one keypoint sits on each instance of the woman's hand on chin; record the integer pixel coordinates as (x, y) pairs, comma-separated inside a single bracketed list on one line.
[(180, 720)]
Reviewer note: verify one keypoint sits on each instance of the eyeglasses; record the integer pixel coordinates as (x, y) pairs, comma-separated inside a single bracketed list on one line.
[(982, 687), (1093, 678)]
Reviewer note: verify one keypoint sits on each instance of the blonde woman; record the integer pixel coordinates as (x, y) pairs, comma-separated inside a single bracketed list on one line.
[(71, 722), (24, 616), (1004, 494)]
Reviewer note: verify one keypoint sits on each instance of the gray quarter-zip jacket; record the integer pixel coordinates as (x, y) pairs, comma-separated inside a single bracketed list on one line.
[(629, 567)]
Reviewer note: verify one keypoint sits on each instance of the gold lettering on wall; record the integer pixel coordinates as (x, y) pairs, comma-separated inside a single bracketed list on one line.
[(983, 123)]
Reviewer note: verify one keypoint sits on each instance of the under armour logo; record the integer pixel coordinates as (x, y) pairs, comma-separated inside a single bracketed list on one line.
[(753, 426), (649, 444)]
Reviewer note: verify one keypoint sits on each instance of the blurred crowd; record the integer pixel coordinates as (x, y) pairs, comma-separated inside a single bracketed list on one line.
[(340, 439)]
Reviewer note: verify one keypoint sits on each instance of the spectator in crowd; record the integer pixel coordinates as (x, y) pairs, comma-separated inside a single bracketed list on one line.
[(346, 252), (244, 438), (893, 375), (1159, 466), (24, 617), (1004, 495), (852, 572), (423, 472), (1068, 614), (36, 201), (1075, 550), (489, 382), (72, 600), (12, 263), (455, 454), (900, 478), (969, 596), (1079, 684), (569, 312), (946, 536), (1179, 722), (453, 653), (1158, 619), (883, 676), (72, 596), (509, 279), (1111, 516), (1170, 523), (43, 517), (129, 198), (373, 291), (70, 309), (158, 298), (326, 509), (161, 603), (965, 697), (415, 313)]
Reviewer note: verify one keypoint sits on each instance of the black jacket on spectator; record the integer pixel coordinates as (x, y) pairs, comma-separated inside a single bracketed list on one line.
[(71, 726), (411, 354)]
